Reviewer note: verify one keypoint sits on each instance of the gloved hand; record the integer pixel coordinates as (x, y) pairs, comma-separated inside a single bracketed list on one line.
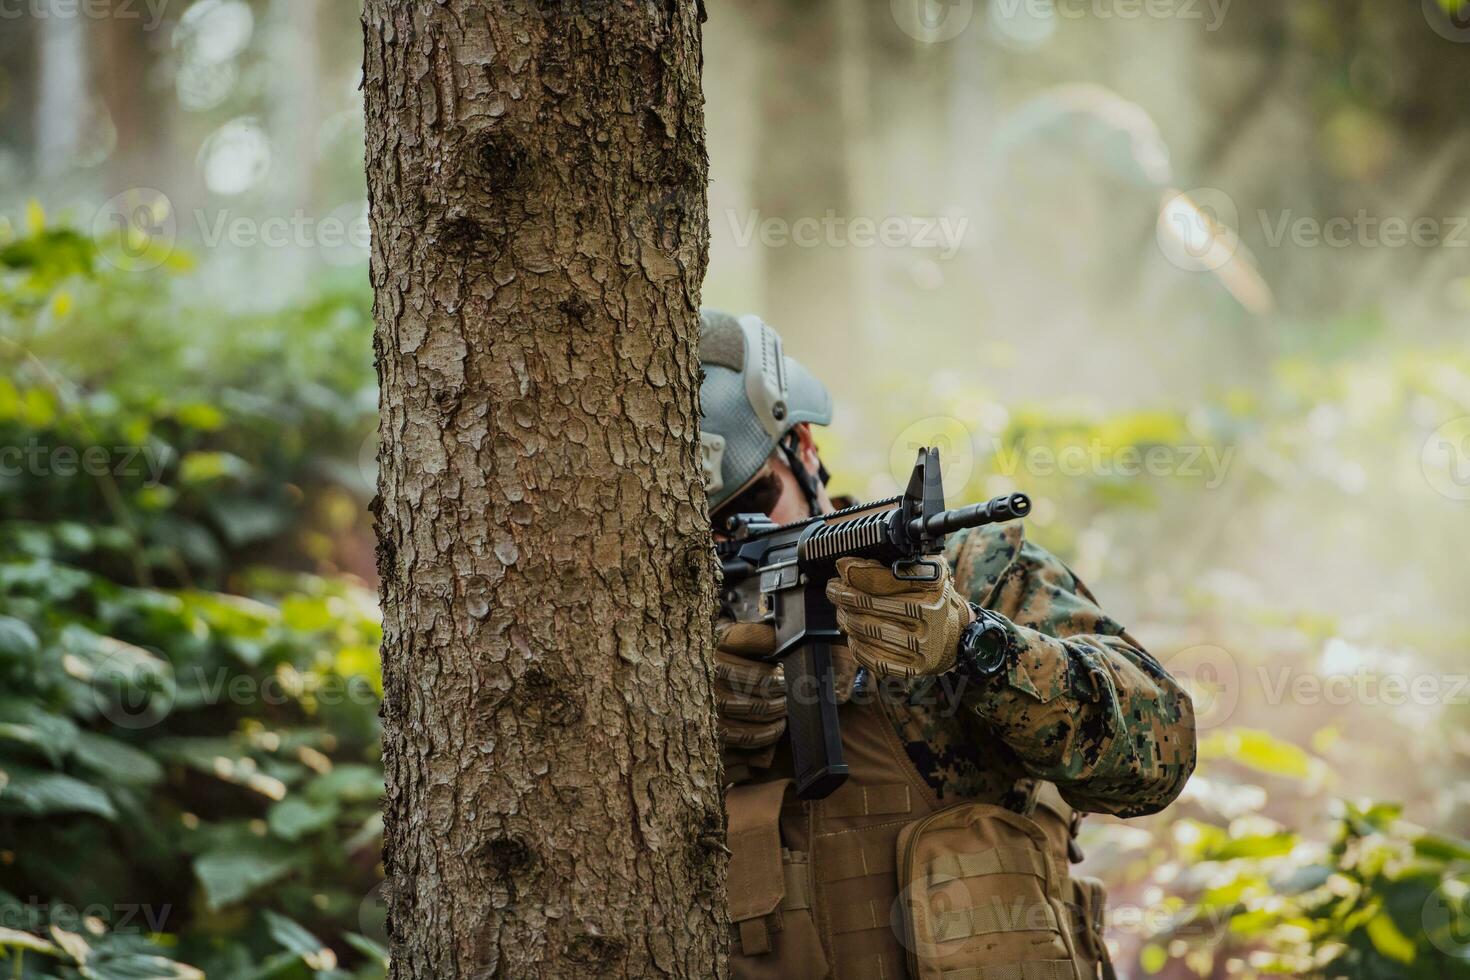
[(750, 695), (895, 627)]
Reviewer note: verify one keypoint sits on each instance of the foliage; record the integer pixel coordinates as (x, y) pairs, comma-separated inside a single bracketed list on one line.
[(188, 730), (1383, 899)]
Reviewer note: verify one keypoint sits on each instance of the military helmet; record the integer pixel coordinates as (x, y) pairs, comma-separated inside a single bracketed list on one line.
[(751, 397)]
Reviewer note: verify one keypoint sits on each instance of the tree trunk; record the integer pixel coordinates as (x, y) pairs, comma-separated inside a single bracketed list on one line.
[(536, 176), (61, 90)]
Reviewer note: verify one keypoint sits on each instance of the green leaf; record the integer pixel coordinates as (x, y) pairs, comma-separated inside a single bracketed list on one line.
[(222, 758), (200, 415), (37, 794), (30, 724), (206, 467), (18, 642), (231, 875), (1258, 750), (284, 966), (136, 966), (1152, 958), (1255, 846), (14, 939), (1442, 848), (244, 520), (1388, 940), (352, 783), (117, 760), (291, 936), (366, 947), (293, 818)]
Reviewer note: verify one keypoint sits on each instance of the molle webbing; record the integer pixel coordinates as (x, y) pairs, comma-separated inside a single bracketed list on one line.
[(856, 917), (855, 854), (863, 801), (995, 861), (1035, 970), (985, 920), (798, 892)]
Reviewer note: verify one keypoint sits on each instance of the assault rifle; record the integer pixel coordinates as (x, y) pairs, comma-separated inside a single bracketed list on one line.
[(778, 574)]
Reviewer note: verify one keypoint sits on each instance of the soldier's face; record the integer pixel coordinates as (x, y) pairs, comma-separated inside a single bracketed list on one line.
[(775, 492), (791, 504)]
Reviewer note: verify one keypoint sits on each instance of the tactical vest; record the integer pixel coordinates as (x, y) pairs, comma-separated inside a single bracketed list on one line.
[(882, 881)]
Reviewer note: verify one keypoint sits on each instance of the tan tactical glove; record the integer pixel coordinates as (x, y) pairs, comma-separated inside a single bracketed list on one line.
[(750, 695), (895, 627)]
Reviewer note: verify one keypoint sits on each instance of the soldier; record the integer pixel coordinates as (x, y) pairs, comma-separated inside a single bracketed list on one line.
[(982, 714)]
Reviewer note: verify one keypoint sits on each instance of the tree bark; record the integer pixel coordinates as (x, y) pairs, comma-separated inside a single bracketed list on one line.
[(536, 178)]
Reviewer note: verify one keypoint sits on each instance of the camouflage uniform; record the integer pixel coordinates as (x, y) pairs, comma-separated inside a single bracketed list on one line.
[(1085, 720), (1083, 706), (961, 806)]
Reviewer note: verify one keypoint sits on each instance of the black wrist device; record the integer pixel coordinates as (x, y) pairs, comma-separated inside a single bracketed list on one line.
[(985, 645)]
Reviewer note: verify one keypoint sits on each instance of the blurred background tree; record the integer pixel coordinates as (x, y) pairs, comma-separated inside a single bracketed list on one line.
[(1155, 264)]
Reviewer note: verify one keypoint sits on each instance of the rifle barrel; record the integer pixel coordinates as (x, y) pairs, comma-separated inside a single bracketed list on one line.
[(1004, 508)]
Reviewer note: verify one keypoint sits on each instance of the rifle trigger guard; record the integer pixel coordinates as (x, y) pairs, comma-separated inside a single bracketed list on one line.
[(936, 570)]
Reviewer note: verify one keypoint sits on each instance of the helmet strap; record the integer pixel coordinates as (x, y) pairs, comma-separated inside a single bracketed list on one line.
[(790, 446)]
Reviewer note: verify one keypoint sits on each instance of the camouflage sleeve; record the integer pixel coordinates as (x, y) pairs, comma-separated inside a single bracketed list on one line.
[(1082, 705)]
